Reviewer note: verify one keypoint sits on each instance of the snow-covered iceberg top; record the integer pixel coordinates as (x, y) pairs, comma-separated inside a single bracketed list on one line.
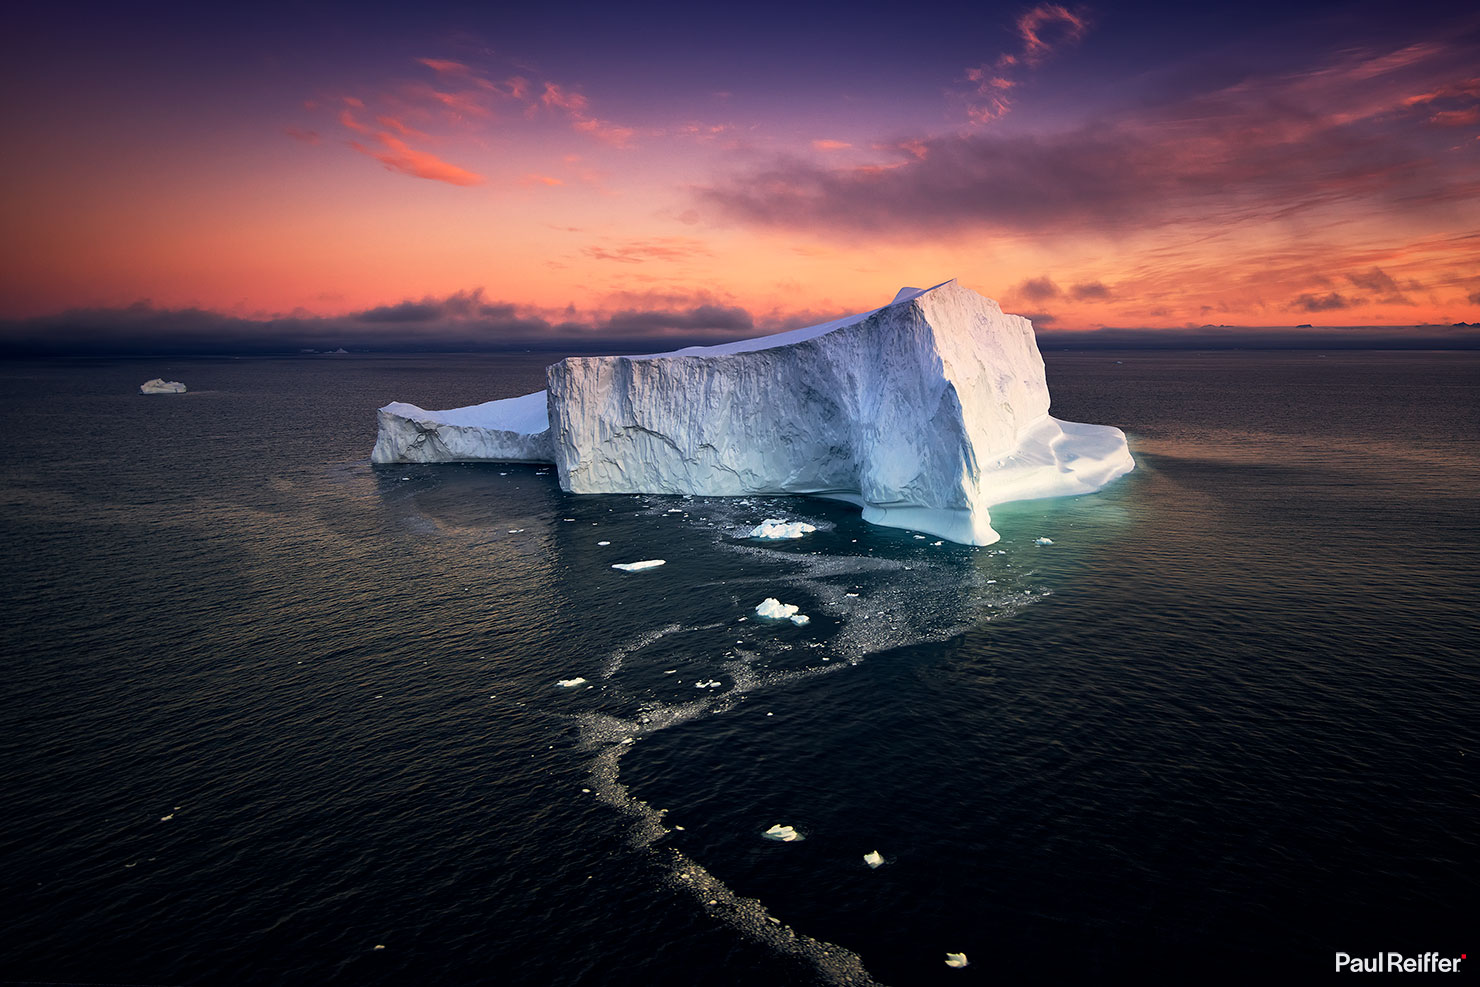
[(161, 386), (925, 413)]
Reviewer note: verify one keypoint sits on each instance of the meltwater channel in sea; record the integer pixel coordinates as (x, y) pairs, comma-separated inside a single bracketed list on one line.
[(273, 715)]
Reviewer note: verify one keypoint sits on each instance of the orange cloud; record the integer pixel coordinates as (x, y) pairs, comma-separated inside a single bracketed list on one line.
[(827, 144), (398, 156), (540, 180)]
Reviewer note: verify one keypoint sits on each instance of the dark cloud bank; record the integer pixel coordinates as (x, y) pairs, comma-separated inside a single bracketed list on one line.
[(465, 322)]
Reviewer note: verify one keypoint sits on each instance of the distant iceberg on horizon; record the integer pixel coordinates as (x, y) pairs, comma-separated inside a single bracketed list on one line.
[(925, 413)]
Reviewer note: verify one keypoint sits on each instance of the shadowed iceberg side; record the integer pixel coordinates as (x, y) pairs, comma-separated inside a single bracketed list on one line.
[(924, 413)]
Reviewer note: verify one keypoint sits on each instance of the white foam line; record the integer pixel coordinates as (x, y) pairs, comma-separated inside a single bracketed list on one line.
[(612, 737), (614, 660)]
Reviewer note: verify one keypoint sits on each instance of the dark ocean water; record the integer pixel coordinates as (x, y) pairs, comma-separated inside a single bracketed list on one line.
[(266, 707)]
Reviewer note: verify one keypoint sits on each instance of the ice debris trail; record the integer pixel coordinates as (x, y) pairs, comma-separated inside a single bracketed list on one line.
[(921, 602), (611, 737)]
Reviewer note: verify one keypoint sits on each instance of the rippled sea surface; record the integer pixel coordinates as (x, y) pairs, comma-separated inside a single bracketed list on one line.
[(267, 708)]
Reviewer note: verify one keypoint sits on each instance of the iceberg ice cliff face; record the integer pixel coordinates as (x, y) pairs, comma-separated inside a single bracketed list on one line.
[(925, 413), (514, 430)]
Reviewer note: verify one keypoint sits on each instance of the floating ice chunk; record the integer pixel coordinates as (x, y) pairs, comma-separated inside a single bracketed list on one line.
[(711, 684), (776, 529), (600, 543), (378, 947), (934, 543), (874, 859), (161, 386), (775, 609), (957, 960), (167, 818), (1043, 541), (800, 619), (784, 834), (570, 683), (639, 566)]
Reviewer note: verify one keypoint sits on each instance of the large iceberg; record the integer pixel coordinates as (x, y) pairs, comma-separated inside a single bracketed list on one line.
[(925, 413)]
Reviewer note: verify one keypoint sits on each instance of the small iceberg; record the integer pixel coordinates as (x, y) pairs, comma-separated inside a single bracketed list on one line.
[(775, 609), (956, 960), (570, 683), (777, 529), (1043, 541), (639, 566), (783, 834), (161, 386), (800, 619), (874, 859)]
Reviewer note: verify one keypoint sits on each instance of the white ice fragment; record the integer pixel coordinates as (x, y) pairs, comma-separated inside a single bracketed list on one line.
[(775, 609), (874, 858), (934, 543), (160, 386), (639, 566), (850, 594), (571, 683), (600, 543), (1043, 541), (777, 529), (784, 834), (957, 960), (167, 818), (801, 619)]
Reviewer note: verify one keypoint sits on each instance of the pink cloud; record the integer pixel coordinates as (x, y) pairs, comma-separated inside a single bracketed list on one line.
[(399, 127), (1032, 25), (398, 156), (1041, 30), (575, 105), (827, 144), (1457, 118)]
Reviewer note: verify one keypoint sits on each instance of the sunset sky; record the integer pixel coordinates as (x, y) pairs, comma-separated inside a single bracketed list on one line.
[(498, 174)]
